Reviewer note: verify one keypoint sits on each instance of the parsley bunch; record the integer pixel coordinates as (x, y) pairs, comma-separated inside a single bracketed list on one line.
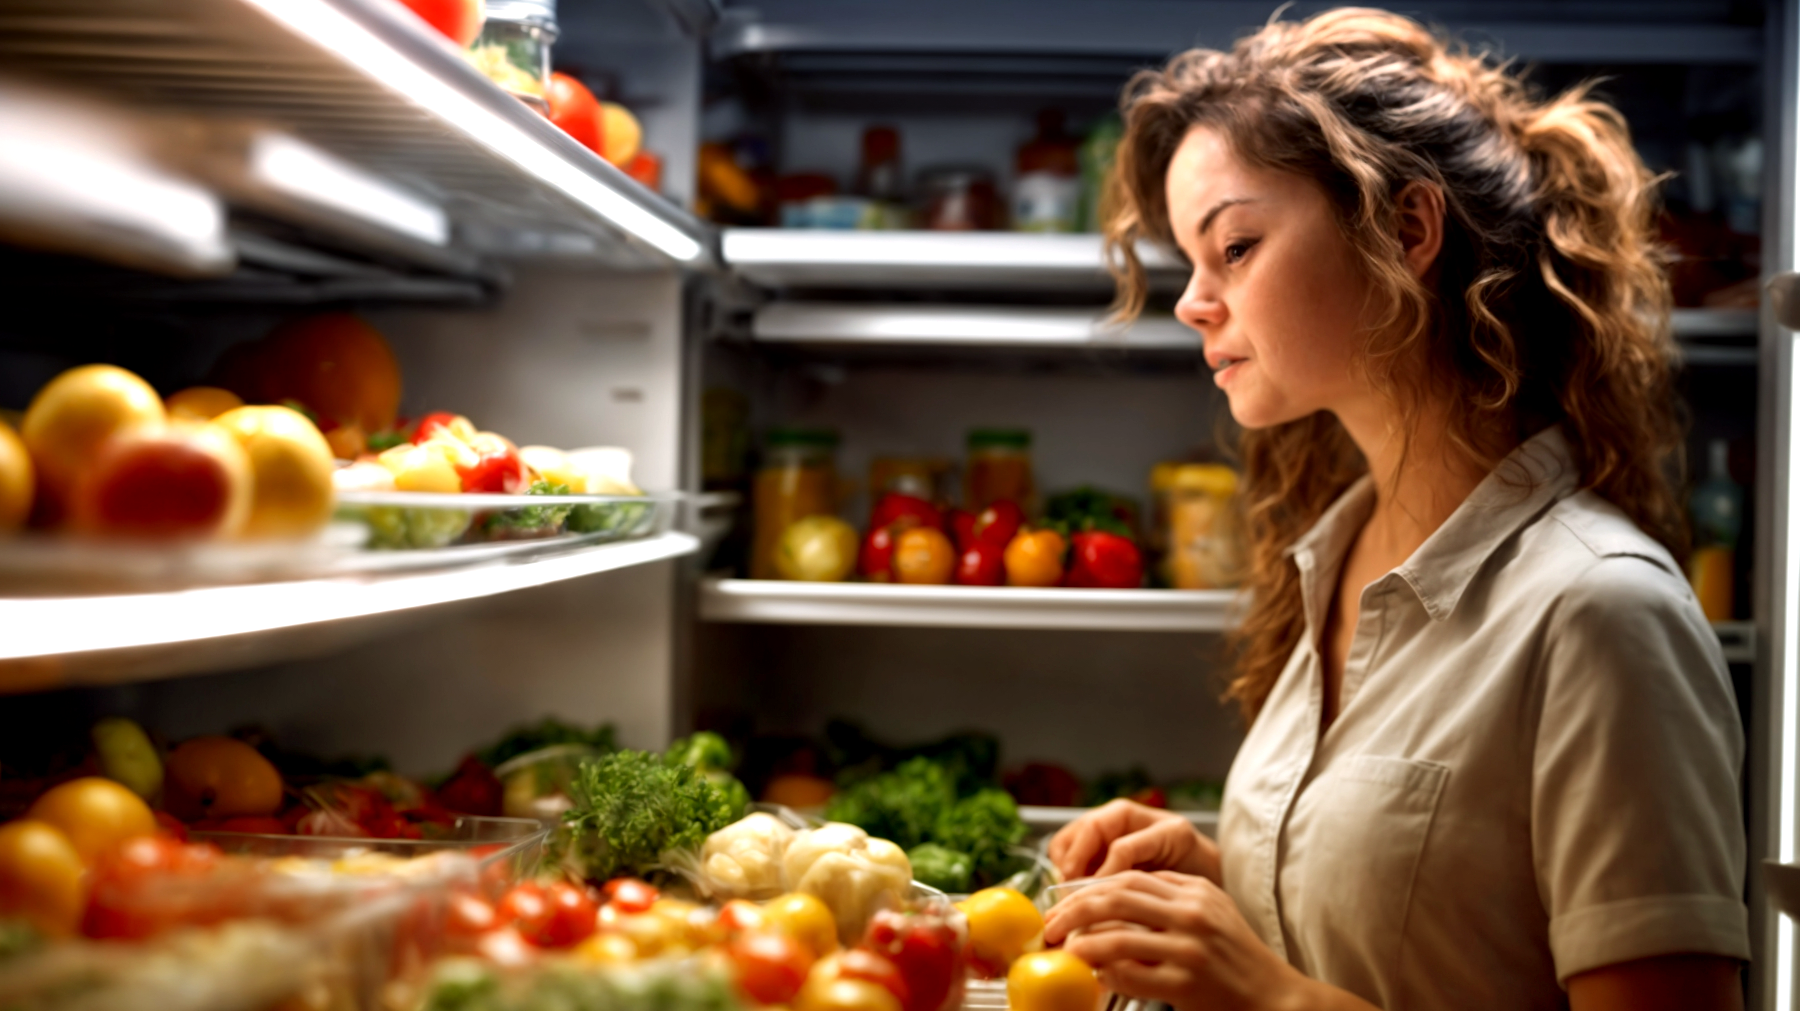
[(631, 807)]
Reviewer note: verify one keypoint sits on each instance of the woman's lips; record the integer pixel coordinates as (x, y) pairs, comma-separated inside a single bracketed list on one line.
[(1226, 368)]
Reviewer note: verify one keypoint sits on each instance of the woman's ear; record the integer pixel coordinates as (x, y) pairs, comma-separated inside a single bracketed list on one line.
[(1420, 207)]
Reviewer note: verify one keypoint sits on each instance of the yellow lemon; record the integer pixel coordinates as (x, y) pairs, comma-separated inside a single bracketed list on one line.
[(290, 464)]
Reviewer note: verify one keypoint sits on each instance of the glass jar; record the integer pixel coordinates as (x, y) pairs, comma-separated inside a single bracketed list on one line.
[(998, 467), (798, 478), (1206, 543), (513, 49), (958, 199), (918, 476)]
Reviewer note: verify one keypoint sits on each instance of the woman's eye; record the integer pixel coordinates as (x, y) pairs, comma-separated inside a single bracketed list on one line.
[(1236, 252)]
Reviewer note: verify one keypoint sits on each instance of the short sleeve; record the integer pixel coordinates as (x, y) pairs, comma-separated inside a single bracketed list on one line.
[(1637, 831)]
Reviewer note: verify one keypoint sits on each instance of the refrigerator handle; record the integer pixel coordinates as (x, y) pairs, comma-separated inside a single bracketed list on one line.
[(1784, 295)]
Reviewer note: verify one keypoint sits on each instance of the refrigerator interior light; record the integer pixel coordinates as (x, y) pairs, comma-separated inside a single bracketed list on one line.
[(337, 32), (299, 170)]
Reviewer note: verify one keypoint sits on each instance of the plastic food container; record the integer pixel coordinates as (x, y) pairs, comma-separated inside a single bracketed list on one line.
[(399, 520), (513, 49)]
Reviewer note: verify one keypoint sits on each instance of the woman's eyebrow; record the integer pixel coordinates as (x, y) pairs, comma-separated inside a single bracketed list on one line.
[(1207, 220)]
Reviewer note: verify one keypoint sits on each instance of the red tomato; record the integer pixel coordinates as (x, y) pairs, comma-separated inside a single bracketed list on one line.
[(430, 423), (893, 506), (1151, 796), (630, 895), (574, 108), (962, 527), (550, 916), (495, 472), (738, 916), (999, 522), (474, 789), (770, 966), (124, 900), (459, 20), (168, 823), (468, 915), (1105, 560), (926, 951), (875, 561), (861, 963), (981, 563), (504, 946)]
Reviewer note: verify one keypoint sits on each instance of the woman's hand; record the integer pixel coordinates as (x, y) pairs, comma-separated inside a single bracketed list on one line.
[(1180, 939), (1125, 836)]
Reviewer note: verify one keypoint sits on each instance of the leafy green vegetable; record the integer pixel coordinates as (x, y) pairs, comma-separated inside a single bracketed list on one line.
[(704, 750), (549, 731), (619, 518), (971, 757), (944, 869), (1090, 508), (527, 518), (400, 527), (631, 807), (903, 806), (985, 825)]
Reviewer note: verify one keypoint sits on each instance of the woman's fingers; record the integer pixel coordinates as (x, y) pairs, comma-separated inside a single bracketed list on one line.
[(1163, 982), (1147, 847), (1076, 848), (1132, 897)]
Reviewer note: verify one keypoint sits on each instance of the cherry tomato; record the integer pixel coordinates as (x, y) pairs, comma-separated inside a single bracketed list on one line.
[(124, 897), (738, 916), (923, 555), (876, 560), (1035, 558), (893, 506), (459, 20), (771, 967), (630, 895), (551, 916), (468, 915), (575, 109), (431, 423), (501, 472), (861, 963), (981, 563), (504, 946), (999, 523), (1105, 560)]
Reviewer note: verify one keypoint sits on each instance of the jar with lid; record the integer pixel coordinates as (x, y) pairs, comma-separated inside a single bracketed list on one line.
[(956, 198), (998, 467), (797, 479), (513, 49), (1205, 537)]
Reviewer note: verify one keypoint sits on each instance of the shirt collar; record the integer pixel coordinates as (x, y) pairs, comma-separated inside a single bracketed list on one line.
[(1539, 472)]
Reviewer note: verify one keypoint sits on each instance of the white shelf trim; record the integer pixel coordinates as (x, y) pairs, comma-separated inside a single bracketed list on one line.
[(791, 603), (821, 258), (964, 326), (76, 632)]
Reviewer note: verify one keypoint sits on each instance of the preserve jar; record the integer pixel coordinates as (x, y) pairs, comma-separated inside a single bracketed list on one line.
[(513, 49), (1205, 538), (998, 467), (797, 479)]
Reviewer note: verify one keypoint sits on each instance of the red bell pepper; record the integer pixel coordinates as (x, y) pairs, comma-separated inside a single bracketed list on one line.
[(1104, 560), (894, 506)]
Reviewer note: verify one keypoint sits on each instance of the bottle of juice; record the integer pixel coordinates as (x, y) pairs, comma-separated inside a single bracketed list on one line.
[(1717, 510)]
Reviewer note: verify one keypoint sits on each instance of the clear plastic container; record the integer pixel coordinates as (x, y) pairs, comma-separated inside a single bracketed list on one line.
[(399, 520), (798, 478), (510, 837), (513, 49)]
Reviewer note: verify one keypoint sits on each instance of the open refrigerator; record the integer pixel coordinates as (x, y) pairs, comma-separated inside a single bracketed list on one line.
[(553, 298)]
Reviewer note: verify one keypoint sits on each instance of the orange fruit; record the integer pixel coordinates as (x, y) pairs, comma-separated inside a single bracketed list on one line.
[(1051, 981), (337, 365), (290, 467), (219, 777), (188, 480), (18, 480), (923, 555), (41, 877), (95, 814), (1034, 558), (202, 403), (74, 415)]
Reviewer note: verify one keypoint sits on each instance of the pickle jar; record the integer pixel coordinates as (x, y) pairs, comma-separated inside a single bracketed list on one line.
[(513, 49), (1205, 536), (798, 478), (998, 467)]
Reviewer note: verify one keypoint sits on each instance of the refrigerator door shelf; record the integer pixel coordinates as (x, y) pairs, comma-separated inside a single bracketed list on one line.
[(54, 642)]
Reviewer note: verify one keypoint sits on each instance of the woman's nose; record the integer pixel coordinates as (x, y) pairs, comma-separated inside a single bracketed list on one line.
[(1199, 306)]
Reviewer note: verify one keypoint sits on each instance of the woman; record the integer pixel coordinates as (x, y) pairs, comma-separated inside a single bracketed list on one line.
[(1492, 753)]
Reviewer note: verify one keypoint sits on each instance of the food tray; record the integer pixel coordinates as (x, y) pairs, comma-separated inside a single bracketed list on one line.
[(51, 564)]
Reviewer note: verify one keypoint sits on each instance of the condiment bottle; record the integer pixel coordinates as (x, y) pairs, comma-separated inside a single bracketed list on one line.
[(1717, 509), (1047, 188), (998, 467), (798, 478)]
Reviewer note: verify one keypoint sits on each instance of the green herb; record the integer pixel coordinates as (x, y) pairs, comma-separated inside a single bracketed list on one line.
[(631, 807), (704, 750), (1089, 508), (985, 825), (942, 868), (530, 517), (550, 731), (902, 806)]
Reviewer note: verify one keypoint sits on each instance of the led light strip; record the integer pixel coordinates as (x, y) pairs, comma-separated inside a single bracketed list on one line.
[(336, 32)]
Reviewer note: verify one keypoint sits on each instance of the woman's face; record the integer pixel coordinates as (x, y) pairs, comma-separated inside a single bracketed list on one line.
[(1276, 292)]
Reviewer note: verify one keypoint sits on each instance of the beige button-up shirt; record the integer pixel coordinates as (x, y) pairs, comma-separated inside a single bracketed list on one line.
[(1533, 772)]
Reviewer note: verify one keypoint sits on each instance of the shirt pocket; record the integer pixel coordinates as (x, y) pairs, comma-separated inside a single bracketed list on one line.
[(1354, 844)]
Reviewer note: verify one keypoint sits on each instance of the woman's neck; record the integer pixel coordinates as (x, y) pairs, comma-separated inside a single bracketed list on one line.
[(1421, 476)]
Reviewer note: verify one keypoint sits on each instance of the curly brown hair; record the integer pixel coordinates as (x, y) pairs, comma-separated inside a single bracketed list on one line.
[(1551, 305)]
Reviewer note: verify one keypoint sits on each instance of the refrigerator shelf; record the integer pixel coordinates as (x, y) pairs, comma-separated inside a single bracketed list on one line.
[(1049, 819), (767, 601), (55, 642), (353, 117), (993, 261)]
